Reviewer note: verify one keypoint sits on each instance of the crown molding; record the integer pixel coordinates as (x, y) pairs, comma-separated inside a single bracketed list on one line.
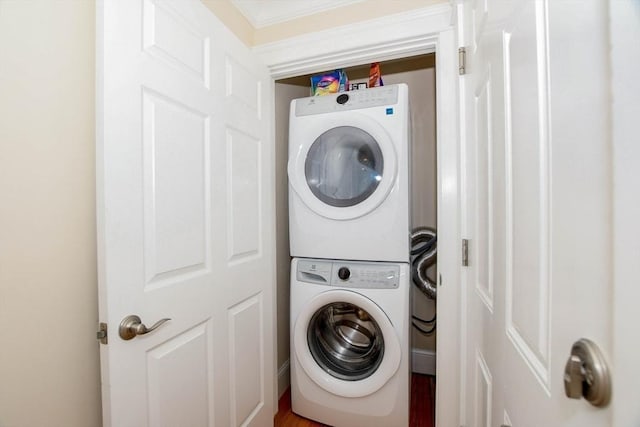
[(390, 37)]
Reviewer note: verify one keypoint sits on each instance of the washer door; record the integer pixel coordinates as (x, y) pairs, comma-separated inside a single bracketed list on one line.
[(346, 344), (346, 170)]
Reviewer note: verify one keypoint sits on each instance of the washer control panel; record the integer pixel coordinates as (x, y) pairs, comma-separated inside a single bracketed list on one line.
[(349, 274), (345, 101)]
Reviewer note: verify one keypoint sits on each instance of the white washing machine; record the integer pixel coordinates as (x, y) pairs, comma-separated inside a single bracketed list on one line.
[(350, 342), (349, 175)]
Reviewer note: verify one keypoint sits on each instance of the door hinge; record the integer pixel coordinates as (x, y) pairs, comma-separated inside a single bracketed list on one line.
[(462, 60), (465, 252), (102, 333)]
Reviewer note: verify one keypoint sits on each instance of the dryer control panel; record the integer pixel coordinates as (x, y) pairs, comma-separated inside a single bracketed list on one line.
[(345, 101), (349, 274)]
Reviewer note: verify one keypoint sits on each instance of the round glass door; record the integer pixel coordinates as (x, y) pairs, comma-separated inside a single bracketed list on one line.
[(344, 166), (345, 341), (346, 344)]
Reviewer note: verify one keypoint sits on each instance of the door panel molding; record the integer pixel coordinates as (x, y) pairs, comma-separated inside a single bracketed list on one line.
[(171, 38), (484, 391), (527, 148), (246, 360), (164, 361), (483, 248), (175, 206), (244, 171)]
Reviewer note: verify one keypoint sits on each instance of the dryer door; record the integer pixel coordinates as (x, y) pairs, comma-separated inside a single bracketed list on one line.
[(346, 170), (346, 344)]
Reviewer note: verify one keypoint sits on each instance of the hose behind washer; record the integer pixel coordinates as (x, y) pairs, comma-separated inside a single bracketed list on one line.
[(423, 253)]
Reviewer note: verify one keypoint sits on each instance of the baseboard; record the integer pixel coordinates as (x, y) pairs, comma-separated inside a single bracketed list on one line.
[(284, 378), (423, 361)]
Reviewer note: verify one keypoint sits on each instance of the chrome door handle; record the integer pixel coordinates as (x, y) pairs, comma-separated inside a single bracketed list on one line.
[(586, 374), (132, 326)]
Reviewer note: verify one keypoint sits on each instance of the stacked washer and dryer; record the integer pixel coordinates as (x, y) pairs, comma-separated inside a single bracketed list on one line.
[(350, 238)]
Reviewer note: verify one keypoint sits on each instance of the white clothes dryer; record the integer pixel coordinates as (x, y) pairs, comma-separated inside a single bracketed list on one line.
[(350, 342), (349, 175)]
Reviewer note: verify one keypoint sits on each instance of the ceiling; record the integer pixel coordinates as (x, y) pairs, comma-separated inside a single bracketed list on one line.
[(262, 13)]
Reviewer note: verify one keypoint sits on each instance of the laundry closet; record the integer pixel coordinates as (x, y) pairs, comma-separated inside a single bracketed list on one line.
[(418, 73)]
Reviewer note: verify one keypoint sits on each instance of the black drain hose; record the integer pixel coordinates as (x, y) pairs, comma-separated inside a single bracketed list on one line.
[(423, 253)]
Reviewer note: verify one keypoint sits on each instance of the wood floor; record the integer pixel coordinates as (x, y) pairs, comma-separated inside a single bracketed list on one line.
[(422, 414)]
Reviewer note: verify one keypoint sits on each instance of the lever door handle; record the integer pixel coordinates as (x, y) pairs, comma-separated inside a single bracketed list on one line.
[(132, 326)]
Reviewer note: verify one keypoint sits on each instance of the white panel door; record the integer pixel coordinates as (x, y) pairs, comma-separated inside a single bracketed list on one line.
[(538, 207), (185, 218)]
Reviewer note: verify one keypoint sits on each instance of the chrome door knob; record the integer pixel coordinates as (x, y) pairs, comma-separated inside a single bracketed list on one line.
[(132, 326), (586, 374)]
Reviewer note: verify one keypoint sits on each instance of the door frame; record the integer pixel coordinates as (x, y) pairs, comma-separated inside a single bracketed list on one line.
[(625, 66), (415, 32)]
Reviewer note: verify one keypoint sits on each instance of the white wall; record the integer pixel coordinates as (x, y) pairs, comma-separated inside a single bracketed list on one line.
[(232, 18), (49, 369)]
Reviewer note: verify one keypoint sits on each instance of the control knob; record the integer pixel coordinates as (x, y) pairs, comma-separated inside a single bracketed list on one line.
[(342, 99), (344, 273)]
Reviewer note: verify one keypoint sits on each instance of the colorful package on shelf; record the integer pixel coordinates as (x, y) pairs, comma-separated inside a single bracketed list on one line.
[(375, 76), (332, 82)]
